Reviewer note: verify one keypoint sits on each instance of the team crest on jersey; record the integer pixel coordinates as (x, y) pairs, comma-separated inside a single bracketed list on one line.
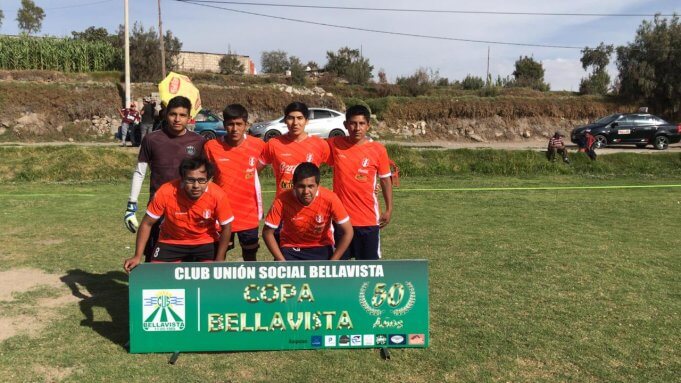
[(365, 162), (318, 218), (191, 150), (309, 157), (206, 214), (251, 161)]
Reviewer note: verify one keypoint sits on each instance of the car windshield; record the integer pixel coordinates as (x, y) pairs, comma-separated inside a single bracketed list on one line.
[(607, 119)]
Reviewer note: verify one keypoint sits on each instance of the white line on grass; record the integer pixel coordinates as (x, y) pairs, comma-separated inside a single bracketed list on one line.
[(541, 188)]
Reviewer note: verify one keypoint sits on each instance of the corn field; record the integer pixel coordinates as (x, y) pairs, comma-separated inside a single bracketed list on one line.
[(49, 53)]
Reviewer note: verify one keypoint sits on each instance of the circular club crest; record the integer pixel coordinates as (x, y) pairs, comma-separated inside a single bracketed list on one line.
[(191, 150), (365, 162), (384, 297)]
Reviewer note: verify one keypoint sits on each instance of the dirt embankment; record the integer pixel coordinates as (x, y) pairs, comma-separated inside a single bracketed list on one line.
[(49, 106)]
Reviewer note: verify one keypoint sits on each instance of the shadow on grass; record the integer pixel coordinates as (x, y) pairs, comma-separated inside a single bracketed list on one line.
[(109, 291)]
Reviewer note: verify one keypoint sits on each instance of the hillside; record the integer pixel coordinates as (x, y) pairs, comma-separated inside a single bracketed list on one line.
[(52, 106)]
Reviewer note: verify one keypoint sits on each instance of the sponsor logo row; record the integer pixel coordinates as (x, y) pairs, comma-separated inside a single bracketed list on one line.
[(367, 340)]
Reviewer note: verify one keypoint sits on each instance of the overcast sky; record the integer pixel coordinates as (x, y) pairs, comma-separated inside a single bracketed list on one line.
[(214, 30)]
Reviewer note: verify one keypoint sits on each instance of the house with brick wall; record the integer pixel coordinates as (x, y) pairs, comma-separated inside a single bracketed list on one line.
[(208, 62)]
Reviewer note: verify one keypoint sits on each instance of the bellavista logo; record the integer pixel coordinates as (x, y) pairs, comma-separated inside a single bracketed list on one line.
[(163, 310)]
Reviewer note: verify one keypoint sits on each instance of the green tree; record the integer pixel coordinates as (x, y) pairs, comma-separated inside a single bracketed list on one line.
[(2, 16), (530, 74), (650, 66), (350, 65), (472, 82), (274, 61), (598, 59), (230, 64), (419, 83), (30, 17), (93, 34), (297, 71), (145, 52)]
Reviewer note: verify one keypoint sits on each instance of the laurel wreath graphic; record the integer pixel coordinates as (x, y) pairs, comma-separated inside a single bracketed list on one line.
[(410, 302), (363, 301)]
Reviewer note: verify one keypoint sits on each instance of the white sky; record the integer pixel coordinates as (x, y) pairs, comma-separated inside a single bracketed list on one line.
[(214, 30)]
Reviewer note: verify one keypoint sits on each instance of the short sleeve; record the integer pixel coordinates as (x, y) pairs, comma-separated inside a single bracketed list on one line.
[(340, 215), (324, 148), (266, 154), (145, 153), (208, 152), (383, 163), (157, 207), (273, 218), (331, 142), (223, 210)]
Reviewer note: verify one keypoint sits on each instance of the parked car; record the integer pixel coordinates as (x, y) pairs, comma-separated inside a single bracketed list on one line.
[(323, 122), (208, 124), (638, 129)]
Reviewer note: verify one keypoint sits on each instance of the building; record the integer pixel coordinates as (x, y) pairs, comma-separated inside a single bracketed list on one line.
[(208, 62)]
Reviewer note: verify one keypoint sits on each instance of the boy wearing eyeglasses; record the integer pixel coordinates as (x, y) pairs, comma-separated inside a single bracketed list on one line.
[(190, 206)]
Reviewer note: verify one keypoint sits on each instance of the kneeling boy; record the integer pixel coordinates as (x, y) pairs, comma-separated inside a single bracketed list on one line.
[(190, 207), (305, 214)]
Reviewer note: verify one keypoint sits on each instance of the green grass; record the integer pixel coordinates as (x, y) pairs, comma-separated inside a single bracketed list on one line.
[(534, 286)]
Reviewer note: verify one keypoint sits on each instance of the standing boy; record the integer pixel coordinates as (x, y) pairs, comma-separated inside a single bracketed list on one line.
[(285, 152), (190, 207), (358, 163), (235, 157), (305, 215), (162, 151)]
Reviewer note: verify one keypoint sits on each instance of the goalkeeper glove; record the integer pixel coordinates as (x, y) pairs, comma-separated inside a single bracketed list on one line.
[(129, 218)]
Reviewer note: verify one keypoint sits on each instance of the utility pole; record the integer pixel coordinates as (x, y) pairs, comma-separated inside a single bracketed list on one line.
[(160, 35), (487, 79), (127, 55)]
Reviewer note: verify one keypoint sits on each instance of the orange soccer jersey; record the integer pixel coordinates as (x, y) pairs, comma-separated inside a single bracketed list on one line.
[(306, 226), (355, 172), (187, 221), (236, 173), (285, 154)]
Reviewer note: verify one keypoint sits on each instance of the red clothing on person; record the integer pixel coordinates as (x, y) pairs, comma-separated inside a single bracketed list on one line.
[(236, 173), (355, 172), (556, 142), (187, 221), (285, 154), (306, 226)]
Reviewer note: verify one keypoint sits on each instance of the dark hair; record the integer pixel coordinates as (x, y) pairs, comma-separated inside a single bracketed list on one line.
[(357, 110), (306, 170), (297, 106), (193, 163), (234, 111), (179, 102)]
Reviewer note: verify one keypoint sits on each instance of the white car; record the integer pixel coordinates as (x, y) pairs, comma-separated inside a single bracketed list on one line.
[(322, 122)]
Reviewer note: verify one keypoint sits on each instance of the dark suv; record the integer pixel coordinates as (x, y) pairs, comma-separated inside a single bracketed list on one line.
[(638, 129)]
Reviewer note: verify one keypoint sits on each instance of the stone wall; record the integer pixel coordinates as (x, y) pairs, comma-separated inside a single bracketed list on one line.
[(208, 62)]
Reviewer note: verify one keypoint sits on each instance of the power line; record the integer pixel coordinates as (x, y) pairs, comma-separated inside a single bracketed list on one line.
[(431, 10), (432, 37)]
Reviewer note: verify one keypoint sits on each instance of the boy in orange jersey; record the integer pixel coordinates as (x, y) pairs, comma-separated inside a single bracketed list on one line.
[(235, 157), (357, 163), (305, 215), (285, 152), (190, 206)]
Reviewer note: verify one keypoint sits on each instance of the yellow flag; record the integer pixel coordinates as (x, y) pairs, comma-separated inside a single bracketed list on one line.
[(179, 85)]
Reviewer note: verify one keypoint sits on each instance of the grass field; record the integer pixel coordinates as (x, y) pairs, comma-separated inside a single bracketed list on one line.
[(525, 285)]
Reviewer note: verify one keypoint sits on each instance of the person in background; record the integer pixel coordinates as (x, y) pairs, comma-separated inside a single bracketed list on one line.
[(147, 119), (557, 146), (130, 117)]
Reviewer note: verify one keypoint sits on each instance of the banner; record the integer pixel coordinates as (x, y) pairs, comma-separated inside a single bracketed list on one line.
[(239, 306)]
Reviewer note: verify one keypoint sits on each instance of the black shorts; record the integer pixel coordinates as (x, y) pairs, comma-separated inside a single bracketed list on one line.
[(246, 237), (320, 253), (365, 245), (184, 253)]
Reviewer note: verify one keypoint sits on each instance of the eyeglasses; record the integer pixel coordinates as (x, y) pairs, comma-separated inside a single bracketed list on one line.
[(191, 181)]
